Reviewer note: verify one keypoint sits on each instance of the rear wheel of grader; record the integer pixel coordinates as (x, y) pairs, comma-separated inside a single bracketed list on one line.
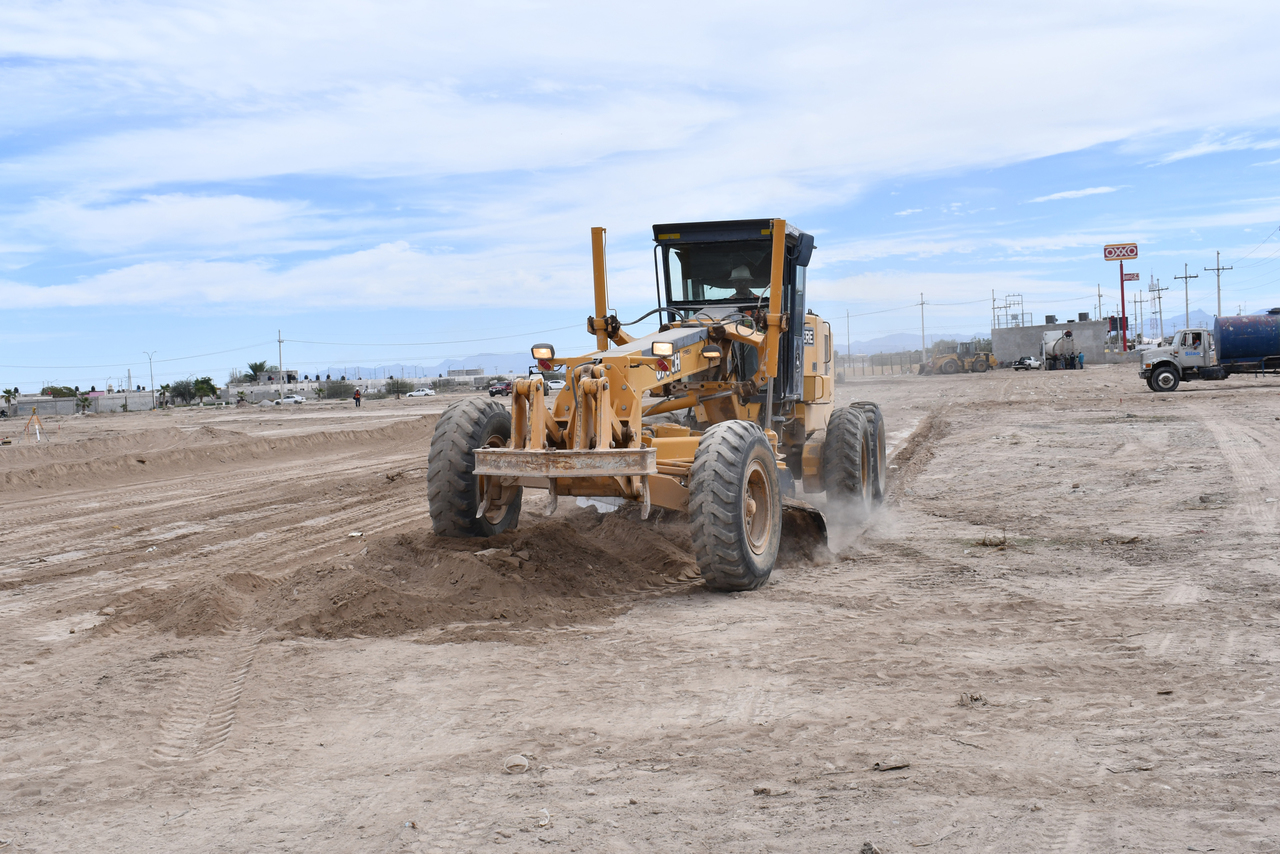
[(879, 449), (847, 468), (735, 506), (951, 366), (454, 492)]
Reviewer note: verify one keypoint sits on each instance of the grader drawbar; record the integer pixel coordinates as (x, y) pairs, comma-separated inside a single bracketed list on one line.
[(726, 412)]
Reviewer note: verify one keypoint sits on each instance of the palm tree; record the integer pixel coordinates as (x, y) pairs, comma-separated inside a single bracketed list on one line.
[(256, 368), (164, 394), (10, 395)]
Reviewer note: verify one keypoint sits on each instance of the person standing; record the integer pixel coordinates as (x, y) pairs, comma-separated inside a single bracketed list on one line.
[(356, 397)]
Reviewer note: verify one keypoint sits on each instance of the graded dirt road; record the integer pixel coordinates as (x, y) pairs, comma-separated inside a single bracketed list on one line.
[(1062, 626)]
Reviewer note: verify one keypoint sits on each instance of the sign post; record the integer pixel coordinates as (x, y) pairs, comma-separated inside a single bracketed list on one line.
[(1122, 252)]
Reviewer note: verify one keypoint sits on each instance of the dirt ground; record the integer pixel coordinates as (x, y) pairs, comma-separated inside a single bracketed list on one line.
[(232, 630)]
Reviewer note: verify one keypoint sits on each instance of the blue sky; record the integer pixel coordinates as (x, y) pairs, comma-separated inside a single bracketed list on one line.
[(410, 182)]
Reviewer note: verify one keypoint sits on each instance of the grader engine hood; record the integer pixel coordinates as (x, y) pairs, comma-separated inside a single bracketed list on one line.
[(686, 348)]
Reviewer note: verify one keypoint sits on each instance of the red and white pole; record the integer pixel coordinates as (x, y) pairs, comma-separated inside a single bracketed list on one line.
[(1124, 334)]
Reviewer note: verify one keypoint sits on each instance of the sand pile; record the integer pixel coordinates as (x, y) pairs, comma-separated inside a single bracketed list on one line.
[(148, 454), (578, 567)]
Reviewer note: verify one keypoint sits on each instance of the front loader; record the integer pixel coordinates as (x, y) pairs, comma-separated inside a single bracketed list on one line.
[(726, 412), (965, 359)]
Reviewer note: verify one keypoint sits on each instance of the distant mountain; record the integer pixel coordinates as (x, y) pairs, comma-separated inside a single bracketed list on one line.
[(491, 363), (898, 342)]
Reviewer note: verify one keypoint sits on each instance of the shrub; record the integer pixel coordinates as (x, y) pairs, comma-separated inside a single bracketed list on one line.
[(336, 390), (399, 387)]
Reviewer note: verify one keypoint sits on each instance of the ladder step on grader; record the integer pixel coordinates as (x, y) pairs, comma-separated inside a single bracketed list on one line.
[(725, 413)]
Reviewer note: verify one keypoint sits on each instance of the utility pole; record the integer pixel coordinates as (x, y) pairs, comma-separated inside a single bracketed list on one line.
[(1154, 287), (1099, 301), (1136, 314), (1186, 292), (1218, 268), (922, 354), (153, 376), (848, 348), (280, 356)]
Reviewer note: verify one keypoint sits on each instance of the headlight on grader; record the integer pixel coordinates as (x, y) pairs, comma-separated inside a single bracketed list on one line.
[(543, 352), (662, 349)]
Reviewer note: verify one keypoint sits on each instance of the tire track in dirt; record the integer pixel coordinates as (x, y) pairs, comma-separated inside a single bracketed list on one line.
[(200, 718), (1251, 468)]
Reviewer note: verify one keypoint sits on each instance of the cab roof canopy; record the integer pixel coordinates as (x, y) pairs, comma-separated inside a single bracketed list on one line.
[(710, 232)]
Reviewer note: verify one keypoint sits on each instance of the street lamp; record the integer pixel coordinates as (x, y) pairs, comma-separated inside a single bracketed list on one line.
[(152, 369)]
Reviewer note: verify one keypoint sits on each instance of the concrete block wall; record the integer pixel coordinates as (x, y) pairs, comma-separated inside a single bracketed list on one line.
[(1015, 342), (46, 406)]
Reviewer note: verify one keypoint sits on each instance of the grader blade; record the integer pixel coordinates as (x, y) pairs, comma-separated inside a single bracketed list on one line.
[(803, 526)]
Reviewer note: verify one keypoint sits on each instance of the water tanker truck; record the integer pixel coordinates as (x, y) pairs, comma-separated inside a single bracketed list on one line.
[(1236, 345)]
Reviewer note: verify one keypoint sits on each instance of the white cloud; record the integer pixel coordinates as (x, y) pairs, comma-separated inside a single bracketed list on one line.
[(1075, 194), (515, 125), (173, 221), (909, 212), (1217, 145)]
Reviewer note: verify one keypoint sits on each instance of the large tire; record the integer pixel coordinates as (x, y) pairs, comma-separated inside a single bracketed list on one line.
[(980, 366), (735, 506), (1164, 379), (846, 463), (951, 366), (453, 493), (879, 449)]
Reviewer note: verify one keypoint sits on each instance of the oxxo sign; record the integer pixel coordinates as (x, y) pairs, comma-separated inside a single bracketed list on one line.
[(1120, 251)]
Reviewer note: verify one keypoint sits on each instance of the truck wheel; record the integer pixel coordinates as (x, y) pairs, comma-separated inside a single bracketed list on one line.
[(846, 463), (979, 366), (1164, 379), (735, 506), (951, 366), (453, 491), (878, 449), (1150, 384)]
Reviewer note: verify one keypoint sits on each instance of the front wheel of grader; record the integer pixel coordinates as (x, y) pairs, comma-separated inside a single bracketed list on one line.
[(454, 492), (735, 506)]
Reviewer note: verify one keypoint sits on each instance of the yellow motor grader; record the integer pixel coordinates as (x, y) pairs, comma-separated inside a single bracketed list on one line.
[(725, 412)]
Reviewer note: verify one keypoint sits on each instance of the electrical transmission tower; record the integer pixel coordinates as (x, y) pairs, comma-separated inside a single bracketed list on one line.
[(1154, 288)]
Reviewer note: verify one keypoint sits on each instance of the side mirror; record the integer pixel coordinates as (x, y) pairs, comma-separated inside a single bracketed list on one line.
[(804, 250)]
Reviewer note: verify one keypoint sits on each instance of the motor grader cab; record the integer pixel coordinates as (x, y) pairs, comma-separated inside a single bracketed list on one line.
[(726, 412), (966, 358)]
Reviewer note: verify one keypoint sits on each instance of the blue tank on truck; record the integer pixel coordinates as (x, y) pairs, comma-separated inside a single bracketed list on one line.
[(1249, 339), (1237, 345)]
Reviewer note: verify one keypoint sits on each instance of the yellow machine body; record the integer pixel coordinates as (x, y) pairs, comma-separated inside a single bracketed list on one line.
[(592, 438)]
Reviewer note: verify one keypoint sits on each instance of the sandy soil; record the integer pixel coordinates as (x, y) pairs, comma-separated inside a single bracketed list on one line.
[(233, 631)]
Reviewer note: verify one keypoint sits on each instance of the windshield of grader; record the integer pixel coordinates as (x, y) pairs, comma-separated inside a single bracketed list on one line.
[(729, 272)]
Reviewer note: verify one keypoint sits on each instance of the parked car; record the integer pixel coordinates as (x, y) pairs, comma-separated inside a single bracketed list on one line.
[(291, 398), (553, 385), (1027, 363), (422, 392), (498, 388)]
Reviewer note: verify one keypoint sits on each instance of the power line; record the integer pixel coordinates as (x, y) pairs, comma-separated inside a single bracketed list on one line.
[(127, 364), (434, 343), (1259, 246)]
